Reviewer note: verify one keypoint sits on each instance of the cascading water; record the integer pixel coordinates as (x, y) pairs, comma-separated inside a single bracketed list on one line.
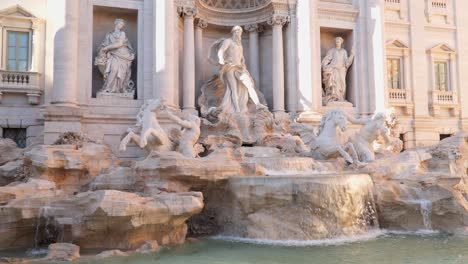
[(299, 207), (425, 206)]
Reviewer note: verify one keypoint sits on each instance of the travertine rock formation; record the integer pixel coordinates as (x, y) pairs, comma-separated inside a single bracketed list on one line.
[(424, 188), (297, 208), (63, 252), (69, 166), (10, 161), (9, 151), (119, 220)]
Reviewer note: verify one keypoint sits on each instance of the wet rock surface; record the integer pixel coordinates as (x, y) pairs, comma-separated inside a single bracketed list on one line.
[(425, 188)]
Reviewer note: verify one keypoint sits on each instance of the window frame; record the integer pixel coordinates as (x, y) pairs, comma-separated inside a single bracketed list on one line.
[(401, 86), (437, 83), (5, 32)]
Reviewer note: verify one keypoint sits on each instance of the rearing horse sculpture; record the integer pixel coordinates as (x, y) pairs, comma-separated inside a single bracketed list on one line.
[(148, 133), (326, 145)]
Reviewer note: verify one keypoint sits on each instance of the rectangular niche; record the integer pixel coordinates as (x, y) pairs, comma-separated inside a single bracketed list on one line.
[(103, 23), (327, 42)]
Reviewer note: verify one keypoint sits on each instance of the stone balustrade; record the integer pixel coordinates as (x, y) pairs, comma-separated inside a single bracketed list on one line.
[(444, 99), (439, 4), (401, 98), (21, 82), (397, 6), (397, 95)]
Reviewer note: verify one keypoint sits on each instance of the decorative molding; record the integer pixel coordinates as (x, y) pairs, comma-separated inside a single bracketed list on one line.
[(441, 49), (396, 44), (201, 23), (399, 6), (441, 8), (16, 11), (254, 28), (234, 4), (187, 11), (278, 20), (254, 14)]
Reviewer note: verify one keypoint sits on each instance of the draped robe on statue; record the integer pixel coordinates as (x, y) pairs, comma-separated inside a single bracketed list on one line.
[(218, 94), (335, 66), (115, 64)]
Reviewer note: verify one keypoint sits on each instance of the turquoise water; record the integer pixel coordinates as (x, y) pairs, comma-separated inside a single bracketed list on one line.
[(383, 249), (376, 248)]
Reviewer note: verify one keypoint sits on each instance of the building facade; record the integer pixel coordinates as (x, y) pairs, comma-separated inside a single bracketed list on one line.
[(409, 55)]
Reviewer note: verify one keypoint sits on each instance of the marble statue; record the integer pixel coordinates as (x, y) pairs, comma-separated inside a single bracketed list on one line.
[(190, 134), (326, 145), (396, 144), (335, 67), (148, 132), (114, 60), (238, 84), (364, 139)]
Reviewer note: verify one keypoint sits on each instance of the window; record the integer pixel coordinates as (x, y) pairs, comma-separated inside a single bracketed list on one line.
[(18, 135), (440, 72), (393, 73), (18, 50)]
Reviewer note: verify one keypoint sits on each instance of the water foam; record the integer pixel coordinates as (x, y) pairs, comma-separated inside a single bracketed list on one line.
[(371, 235)]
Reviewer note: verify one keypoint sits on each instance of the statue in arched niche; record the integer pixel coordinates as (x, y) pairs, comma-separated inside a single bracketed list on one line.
[(233, 80), (114, 60), (335, 66)]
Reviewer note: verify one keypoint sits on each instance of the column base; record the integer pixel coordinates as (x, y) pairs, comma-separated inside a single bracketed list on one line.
[(190, 111)]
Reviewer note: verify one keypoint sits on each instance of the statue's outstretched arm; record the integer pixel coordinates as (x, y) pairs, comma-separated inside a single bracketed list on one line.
[(360, 121), (180, 122)]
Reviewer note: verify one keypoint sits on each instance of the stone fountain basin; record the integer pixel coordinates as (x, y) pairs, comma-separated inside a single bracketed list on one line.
[(297, 207)]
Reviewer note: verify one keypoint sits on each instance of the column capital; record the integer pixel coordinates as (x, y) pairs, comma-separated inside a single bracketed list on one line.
[(254, 28), (187, 10), (278, 20), (201, 23)]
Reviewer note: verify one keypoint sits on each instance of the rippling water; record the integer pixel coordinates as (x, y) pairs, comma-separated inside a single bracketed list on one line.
[(374, 248)]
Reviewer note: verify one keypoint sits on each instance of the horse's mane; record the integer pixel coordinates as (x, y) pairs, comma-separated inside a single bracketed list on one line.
[(330, 115)]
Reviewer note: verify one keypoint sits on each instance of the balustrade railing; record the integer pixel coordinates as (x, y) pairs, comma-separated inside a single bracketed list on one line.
[(21, 82), (397, 95)]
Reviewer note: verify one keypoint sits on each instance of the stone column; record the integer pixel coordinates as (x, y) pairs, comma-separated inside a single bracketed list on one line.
[(406, 71), (2, 63), (291, 62), (164, 51), (199, 55), (188, 97), (66, 53), (277, 22), (254, 58), (376, 54), (453, 73), (35, 46)]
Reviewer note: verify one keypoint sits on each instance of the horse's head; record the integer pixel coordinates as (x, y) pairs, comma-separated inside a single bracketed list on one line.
[(156, 105), (336, 117)]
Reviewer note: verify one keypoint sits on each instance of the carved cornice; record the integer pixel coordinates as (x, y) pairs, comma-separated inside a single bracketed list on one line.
[(187, 11), (256, 14), (202, 23), (337, 11), (278, 20), (254, 28)]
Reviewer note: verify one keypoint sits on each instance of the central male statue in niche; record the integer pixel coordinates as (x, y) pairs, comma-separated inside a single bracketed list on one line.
[(239, 85), (335, 66)]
